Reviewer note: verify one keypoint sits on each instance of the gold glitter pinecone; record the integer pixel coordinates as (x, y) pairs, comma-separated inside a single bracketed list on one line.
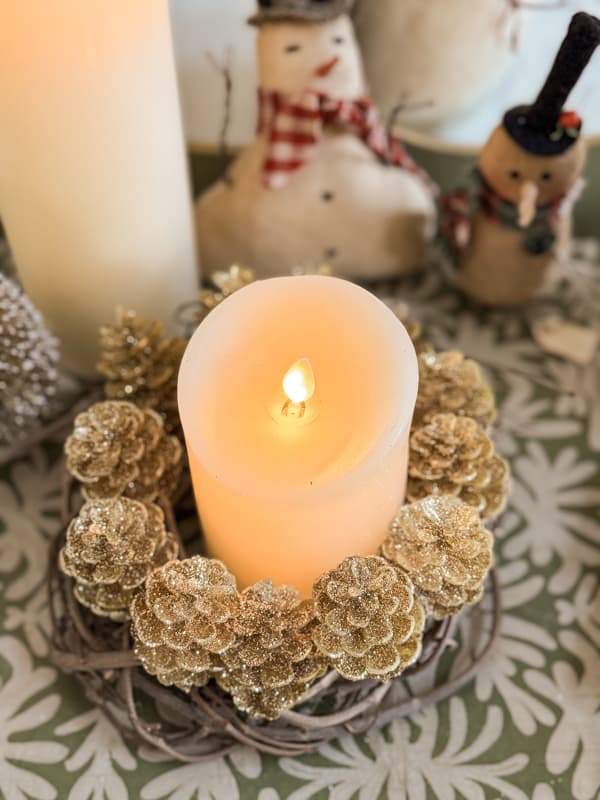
[(369, 621), (453, 455), (28, 364), (140, 363), (451, 383), (112, 546), (118, 449), (226, 282), (182, 621), (273, 660), (443, 546)]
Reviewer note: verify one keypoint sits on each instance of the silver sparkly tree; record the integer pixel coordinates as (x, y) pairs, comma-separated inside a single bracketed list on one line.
[(28, 364)]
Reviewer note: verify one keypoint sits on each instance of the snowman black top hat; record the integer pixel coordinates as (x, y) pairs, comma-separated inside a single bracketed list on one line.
[(300, 10), (543, 128)]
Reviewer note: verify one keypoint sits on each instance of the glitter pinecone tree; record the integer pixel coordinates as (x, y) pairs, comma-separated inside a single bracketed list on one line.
[(28, 364)]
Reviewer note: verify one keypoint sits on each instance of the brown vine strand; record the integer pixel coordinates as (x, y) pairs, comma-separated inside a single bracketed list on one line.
[(98, 653), (407, 707), (224, 69), (171, 522), (186, 316), (49, 430), (144, 731)]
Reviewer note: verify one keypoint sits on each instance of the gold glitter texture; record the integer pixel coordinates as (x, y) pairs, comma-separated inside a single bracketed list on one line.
[(273, 660), (182, 621), (369, 622), (326, 270), (442, 544), (453, 455), (226, 282), (451, 383), (140, 363), (111, 548), (118, 449)]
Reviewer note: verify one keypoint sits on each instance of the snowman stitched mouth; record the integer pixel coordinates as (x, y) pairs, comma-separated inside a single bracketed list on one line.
[(325, 68)]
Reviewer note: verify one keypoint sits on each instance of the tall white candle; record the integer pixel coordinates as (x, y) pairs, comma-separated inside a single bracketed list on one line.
[(94, 192)]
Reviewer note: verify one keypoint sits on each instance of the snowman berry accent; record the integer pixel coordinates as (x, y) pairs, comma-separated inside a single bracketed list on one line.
[(323, 181), (508, 234)]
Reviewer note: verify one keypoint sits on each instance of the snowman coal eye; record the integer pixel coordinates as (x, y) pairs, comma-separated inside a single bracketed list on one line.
[(293, 48), (515, 174), (338, 40)]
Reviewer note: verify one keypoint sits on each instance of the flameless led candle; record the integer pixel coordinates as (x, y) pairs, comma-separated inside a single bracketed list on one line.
[(94, 191), (296, 397)]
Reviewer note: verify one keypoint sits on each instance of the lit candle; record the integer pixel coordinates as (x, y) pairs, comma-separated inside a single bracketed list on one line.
[(296, 397), (94, 192)]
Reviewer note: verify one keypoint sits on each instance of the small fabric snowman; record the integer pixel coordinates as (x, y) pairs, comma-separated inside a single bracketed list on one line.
[(508, 233), (323, 182)]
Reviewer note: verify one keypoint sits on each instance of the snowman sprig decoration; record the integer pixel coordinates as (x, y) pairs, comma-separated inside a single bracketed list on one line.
[(508, 233), (324, 181)]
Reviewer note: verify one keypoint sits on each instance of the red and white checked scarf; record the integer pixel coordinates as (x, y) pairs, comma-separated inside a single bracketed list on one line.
[(294, 126)]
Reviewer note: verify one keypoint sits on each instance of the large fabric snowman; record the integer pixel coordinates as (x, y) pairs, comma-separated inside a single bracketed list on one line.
[(323, 181)]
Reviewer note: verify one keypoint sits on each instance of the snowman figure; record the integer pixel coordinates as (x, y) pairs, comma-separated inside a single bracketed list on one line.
[(508, 234), (323, 182)]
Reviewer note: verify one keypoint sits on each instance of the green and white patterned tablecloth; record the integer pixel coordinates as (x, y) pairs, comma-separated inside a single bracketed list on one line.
[(528, 728)]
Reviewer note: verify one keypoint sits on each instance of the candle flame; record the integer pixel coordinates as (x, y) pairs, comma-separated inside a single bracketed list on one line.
[(299, 381)]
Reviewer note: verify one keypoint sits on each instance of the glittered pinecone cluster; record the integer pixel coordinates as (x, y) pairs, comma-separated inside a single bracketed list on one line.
[(443, 546), (273, 660), (453, 455), (118, 449), (451, 383), (28, 364), (369, 621), (140, 364), (225, 283), (111, 548), (182, 621)]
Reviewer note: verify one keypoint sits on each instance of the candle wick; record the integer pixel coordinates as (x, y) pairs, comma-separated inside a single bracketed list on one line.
[(291, 409)]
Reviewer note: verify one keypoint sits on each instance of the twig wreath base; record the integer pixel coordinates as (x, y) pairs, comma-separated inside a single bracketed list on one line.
[(205, 723), (261, 653)]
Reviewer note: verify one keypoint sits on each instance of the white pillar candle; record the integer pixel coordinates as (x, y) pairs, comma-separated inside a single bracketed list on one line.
[(287, 490), (94, 191)]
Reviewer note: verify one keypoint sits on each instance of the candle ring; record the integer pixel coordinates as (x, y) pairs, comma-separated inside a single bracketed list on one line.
[(134, 614), (98, 653)]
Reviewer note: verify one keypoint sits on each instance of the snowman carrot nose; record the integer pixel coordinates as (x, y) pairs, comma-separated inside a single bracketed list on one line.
[(324, 70), (527, 200)]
